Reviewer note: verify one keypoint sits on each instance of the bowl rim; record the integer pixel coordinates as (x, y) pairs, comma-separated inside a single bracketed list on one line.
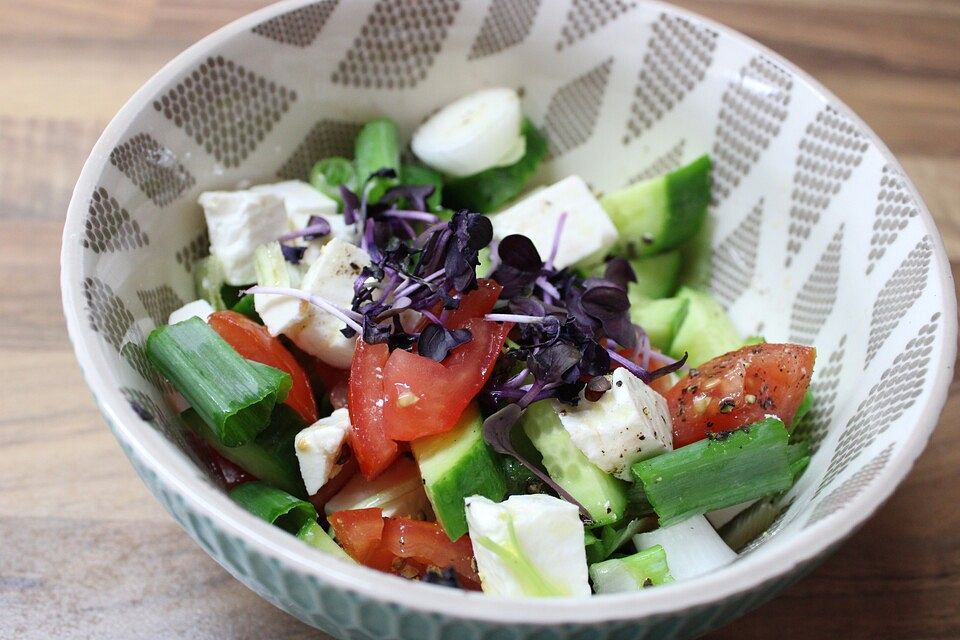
[(780, 558)]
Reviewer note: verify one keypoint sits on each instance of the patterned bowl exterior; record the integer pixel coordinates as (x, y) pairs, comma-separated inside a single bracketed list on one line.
[(624, 91)]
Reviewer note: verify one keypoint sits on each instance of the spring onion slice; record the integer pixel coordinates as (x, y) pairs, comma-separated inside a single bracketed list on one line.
[(313, 534), (269, 457), (714, 473), (245, 306), (208, 282), (233, 395), (693, 547), (377, 147), (646, 568), (329, 174), (274, 505)]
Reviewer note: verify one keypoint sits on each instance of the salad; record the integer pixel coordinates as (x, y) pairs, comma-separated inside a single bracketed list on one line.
[(411, 363)]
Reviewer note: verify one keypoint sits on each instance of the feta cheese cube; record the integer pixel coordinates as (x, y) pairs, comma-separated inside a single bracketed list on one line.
[(330, 277), (528, 545), (300, 200), (318, 448), (198, 308), (238, 222), (587, 236), (629, 423)]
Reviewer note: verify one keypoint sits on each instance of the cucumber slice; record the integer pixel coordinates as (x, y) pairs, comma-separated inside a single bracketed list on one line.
[(269, 456), (657, 276), (661, 319), (706, 331), (603, 496), (660, 214), (486, 191), (315, 536), (456, 465)]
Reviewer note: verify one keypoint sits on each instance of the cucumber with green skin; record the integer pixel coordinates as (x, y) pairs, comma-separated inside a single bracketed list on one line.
[(657, 276), (270, 456), (661, 319), (455, 465), (603, 496), (659, 214), (487, 191), (706, 331)]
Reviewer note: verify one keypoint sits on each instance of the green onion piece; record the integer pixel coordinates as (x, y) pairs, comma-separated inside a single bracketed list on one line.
[(377, 147), (647, 568), (415, 174), (246, 307), (329, 174), (314, 535), (233, 395), (488, 190), (208, 282), (715, 473), (270, 456), (275, 506)]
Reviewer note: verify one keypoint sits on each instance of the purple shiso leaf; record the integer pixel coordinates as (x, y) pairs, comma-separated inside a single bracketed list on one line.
[(293, 255), (619, 272), (351, 205), (497, 430), (417, 194), (596, 387), (436, 342)]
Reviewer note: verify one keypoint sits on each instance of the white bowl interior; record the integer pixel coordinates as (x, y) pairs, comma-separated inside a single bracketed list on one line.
[(819, 237)]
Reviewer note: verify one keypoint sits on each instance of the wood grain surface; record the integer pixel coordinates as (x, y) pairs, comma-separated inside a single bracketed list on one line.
[(85, 552)]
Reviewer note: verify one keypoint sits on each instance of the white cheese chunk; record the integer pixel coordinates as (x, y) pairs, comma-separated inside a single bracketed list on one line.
[(199, 308), (331, 277), (629, 423), (238, 222), (528, 545), (318, 448), (300, 200), (693, 548), (398, 491), (588, 234)]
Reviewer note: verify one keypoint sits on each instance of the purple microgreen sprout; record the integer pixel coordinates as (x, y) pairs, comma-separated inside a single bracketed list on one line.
[(293, 255), (317, 227), (350, 318)]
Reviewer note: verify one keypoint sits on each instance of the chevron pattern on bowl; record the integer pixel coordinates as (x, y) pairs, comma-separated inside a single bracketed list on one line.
[(624, 91)]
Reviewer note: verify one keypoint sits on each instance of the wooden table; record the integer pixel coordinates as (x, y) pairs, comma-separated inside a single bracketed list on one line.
[(85, 551)]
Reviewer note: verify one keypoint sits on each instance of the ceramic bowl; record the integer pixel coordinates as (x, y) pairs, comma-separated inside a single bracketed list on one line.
[(819, 237)]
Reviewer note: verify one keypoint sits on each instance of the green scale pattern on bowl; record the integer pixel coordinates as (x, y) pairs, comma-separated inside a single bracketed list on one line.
[(814, 222)]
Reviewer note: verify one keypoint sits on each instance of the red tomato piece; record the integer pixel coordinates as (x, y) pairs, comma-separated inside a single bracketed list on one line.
[(739, 388), (428, 544), (661, 385), (475, 304), (358, 531), (254, 342), (424, 397), (368, 439)]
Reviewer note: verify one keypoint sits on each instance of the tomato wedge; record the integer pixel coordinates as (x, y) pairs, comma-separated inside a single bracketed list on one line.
[(424, 397), (379, 542), (475, 304), (254, 342), (739, 388), (368, 439)]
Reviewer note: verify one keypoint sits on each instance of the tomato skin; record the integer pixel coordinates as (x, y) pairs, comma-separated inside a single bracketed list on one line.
[(254, 342), (661, 385), (475, 304), (358, 531), (229, 474), (379, 542), (368, 438), (425, 397), (757, 380)]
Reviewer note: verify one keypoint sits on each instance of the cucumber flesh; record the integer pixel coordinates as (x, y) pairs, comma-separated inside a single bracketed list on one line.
[(661, 213), (661, 319), (603, 496), (646, 568), (706, 331), (657, 276), (455, 465)]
